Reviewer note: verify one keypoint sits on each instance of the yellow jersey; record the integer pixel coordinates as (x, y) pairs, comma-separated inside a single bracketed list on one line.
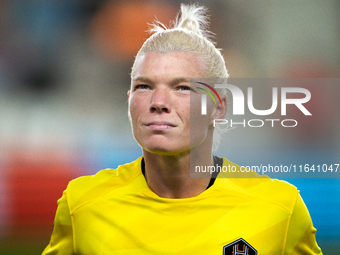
[(115, 212)]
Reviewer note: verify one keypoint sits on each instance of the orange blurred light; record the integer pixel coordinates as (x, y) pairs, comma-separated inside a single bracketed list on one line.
[(119, 29)]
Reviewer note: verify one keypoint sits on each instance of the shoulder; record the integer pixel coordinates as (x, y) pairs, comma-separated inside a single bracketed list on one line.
[(273, 191), (87, 188)]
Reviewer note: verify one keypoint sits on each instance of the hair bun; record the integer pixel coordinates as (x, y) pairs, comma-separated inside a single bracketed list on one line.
[(193, 18), (190, 24)]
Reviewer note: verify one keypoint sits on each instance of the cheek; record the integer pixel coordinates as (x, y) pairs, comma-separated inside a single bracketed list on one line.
[(196, 117), (134, 109), (196, 106), (199, 123), (135, 104)]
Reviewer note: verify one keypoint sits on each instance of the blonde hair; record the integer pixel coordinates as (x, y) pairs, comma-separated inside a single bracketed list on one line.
[(188, 34)]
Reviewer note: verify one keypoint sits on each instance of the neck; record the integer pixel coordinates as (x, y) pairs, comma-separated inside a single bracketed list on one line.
[(169, 175)]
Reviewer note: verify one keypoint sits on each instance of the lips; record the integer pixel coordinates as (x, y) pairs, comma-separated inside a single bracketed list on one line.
[(160, 125)]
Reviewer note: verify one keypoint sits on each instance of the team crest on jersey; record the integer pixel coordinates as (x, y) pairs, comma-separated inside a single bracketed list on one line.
[(239, 247)]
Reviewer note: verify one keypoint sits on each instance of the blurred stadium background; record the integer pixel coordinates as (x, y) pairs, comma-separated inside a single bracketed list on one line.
[(64, 75)]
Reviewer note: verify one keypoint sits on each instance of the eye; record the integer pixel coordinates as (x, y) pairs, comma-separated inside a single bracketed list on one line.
[(142, 86), (183, 88)]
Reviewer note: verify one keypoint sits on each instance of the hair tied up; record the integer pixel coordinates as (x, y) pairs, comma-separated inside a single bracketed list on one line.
[(191, 17)]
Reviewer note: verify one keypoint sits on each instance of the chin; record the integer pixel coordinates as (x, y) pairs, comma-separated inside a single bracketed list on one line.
[(163, 145), (160, 150), (164, 149)]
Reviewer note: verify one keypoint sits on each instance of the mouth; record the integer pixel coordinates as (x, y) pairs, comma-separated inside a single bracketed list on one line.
[(160, 125)]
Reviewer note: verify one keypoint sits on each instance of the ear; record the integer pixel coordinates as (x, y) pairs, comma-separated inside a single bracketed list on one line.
[(220, 110)]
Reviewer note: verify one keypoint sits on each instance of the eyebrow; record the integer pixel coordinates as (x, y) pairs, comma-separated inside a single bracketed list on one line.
[(172, 82), (179, 80), (142, 79)]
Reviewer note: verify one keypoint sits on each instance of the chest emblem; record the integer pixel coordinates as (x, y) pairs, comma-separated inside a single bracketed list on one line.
[(239, 247)]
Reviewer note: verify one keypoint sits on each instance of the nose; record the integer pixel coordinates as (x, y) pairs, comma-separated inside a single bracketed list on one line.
[(160, 101)]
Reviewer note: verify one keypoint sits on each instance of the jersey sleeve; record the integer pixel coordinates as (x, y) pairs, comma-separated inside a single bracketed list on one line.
[(301, 233), (61, 241)]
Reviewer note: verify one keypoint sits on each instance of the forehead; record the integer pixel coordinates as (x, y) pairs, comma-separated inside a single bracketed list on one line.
[(169, 65)]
